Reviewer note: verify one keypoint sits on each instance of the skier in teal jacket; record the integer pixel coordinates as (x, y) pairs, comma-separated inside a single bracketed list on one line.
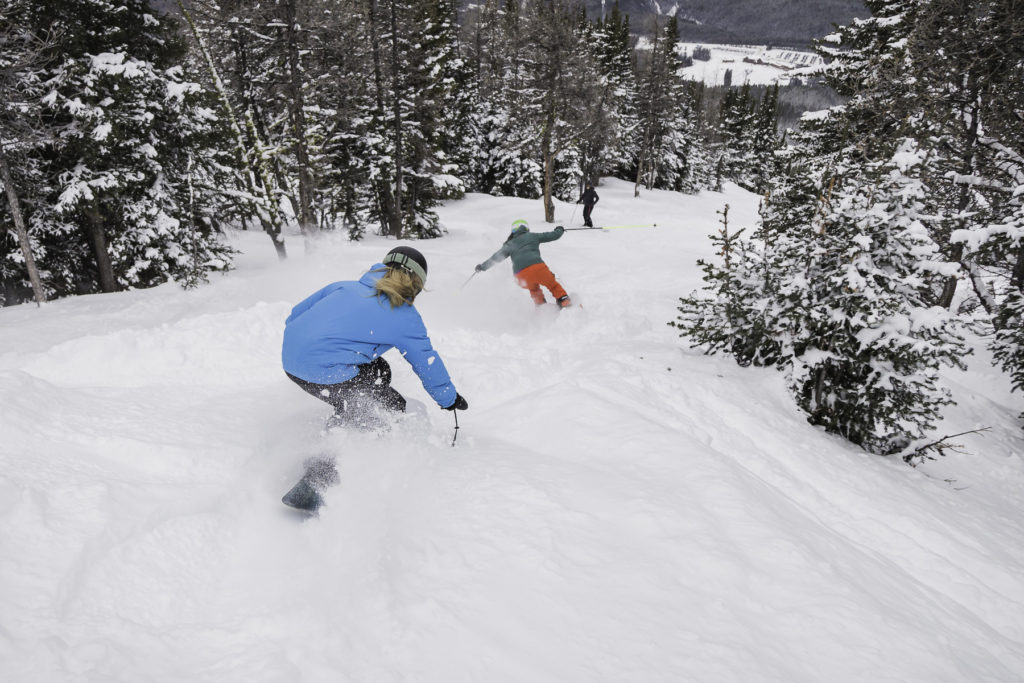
[(528, 267), (334, 340)]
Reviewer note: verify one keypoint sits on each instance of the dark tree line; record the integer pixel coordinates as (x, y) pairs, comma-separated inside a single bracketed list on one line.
[(131, 137)]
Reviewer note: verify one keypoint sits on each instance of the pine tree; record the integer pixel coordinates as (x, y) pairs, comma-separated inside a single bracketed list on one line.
[(133, 205), (834, 287), (1008, 344), (345, 103), (256, 196), (722, 319), (505, 152), (436, 116), (868, 350), (969, 59), (754, 305), (560, 83), (22, 61), (1002, 247), (949, 73), (765, 142), (740, 126), (669, 152), (291, 17), (608, 143), (537, 113)]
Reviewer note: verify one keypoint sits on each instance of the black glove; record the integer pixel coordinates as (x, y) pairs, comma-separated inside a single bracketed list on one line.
[(479, 267), (559, 229), (458, 404)]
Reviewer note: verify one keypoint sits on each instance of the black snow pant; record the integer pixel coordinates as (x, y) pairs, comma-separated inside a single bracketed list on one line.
[(360, 396), (587, 208)]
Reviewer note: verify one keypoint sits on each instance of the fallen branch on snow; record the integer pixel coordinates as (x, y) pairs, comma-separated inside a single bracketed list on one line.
[(937, 449)]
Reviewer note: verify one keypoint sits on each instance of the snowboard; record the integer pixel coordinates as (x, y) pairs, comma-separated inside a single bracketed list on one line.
[(307, 495)]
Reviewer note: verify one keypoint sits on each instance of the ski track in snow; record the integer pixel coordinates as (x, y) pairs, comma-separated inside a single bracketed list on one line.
[(618, 506)]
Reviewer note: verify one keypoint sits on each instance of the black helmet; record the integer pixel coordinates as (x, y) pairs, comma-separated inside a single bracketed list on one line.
[(409, 259)]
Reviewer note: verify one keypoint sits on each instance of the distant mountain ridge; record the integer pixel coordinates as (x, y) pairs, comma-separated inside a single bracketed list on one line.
[(761, 22)]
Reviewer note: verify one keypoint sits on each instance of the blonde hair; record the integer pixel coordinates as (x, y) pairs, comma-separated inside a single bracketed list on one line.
[(400, 286)]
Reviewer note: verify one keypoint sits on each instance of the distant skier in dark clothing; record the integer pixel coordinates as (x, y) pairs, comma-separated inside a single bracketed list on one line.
[(588, 200), (528, 268)]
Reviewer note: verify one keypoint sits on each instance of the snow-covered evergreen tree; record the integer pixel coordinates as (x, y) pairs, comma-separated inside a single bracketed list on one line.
[(867, 352), (1001, 246), (835, 288), (762, 167), (747, 136), (437, 115), (536, 96), (135, 169), (948, 73), (737, 122), (725, 317), (608, 143), (22, 137), (505, 159), (560, 82), (343, 98), (669, 146)]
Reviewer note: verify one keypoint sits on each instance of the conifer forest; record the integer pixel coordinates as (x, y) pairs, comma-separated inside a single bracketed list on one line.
[(134, 133)]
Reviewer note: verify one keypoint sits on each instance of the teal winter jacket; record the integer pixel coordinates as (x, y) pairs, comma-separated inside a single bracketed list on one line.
[(524, 248)]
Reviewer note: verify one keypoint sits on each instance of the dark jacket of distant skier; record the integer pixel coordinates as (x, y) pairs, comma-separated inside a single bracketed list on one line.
[(528, 268), (588, 200), (334, 340)]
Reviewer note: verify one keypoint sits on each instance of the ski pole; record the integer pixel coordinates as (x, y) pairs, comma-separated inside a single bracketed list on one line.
[(613, 227), (456, 435), (469, 278)]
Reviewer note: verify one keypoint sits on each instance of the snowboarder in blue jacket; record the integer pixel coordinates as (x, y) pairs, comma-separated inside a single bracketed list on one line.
[(334, 341)]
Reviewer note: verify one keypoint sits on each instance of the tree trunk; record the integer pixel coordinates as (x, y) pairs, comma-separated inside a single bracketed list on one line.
[(19, 226), (549, 167), (396, 219), (388, 216), (949, 286), (270, 218), (981, 287), (649, 118), (1017, 277), (253, 110), (640, 168), (297, 112), (98, 241), (967, 169)]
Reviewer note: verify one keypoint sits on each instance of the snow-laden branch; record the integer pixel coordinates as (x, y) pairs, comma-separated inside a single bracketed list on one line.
[(1012, 161), (977, 181)]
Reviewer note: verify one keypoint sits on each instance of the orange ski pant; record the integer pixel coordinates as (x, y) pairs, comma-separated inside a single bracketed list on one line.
[(532, 277)]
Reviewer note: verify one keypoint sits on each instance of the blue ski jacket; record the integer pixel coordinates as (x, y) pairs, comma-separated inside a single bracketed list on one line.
[(345, 324)]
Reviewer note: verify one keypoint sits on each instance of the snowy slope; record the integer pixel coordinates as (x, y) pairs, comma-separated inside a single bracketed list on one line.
[(618, 507)]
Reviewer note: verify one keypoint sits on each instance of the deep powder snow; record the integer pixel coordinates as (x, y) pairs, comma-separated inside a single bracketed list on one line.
[(617, 507)]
